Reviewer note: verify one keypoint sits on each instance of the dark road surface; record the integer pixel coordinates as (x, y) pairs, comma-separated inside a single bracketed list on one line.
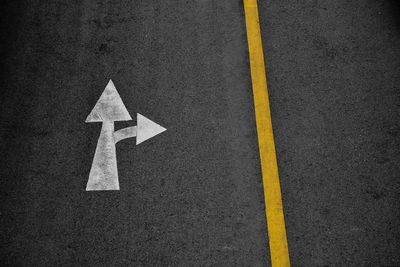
[(334, 74), (192, 196)]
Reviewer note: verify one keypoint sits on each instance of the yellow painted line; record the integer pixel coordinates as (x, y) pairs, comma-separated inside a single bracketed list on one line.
[(272, 190)]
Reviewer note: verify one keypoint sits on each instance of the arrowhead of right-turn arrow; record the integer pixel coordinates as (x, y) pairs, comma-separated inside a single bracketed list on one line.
[(146, 129)]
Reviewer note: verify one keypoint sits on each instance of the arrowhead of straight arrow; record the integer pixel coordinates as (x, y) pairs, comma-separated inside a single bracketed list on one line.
[(146, 129), (109, 107)]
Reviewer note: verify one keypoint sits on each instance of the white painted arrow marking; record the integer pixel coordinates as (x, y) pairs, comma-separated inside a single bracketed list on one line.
[(109, 108), (147, 129)]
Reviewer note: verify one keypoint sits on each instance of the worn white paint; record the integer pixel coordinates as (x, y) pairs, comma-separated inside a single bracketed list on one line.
[(125, 133), (109, 108), (147, 129), (104, 172)]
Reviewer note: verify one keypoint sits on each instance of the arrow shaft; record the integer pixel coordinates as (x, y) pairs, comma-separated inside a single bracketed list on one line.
[(104, 173), (124, 133)]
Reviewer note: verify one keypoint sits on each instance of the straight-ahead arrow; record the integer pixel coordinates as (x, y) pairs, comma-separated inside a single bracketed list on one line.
[(109, 108)]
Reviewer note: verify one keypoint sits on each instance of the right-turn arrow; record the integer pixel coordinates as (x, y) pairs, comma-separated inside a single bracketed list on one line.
[(109, 108)]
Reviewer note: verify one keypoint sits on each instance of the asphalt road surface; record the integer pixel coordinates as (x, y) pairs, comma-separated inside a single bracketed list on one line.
[(193, 195)]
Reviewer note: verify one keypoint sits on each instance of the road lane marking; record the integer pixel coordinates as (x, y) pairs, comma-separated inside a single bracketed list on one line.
[(146, 129), (272, 191), (108, 109)]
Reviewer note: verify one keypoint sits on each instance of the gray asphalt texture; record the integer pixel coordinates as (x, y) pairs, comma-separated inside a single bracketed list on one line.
[(334, 74), (192, 196)]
